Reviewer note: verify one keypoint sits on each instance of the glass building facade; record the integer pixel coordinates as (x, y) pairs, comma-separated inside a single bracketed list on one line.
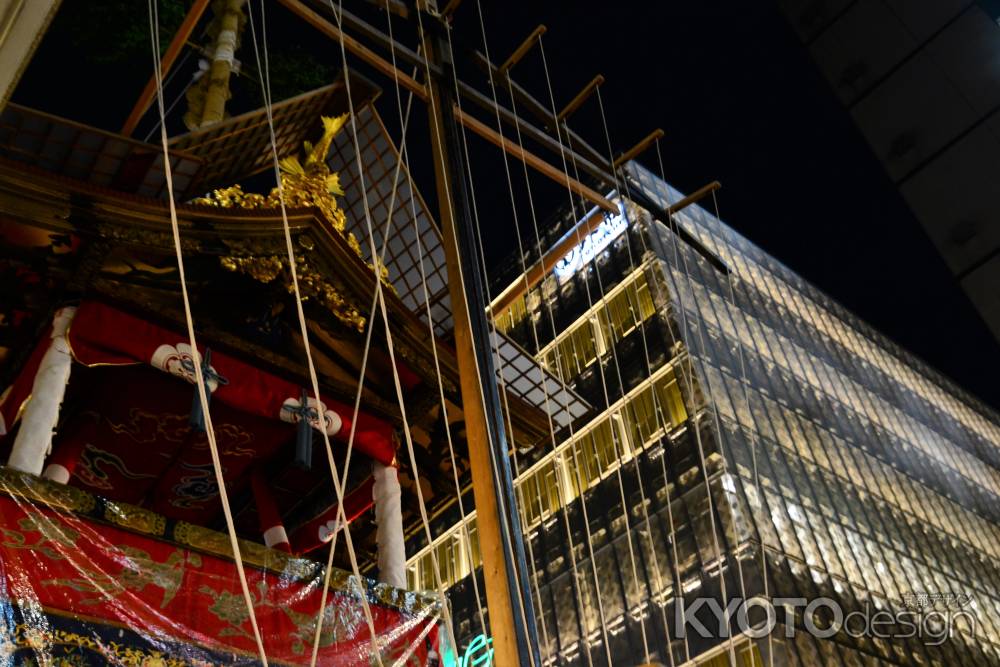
[(750, 439)]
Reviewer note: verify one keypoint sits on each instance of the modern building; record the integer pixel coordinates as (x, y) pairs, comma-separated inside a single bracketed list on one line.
[(750, 439), (921, 80)]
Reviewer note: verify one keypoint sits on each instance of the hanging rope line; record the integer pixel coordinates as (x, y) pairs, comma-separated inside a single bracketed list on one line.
[(681, 260), (746, 398), (658, 408), (659, 413), (643, 334), (177, 66), (615, 435), (501, 364), (559, 485), (432, 336), (501, 502), (313, 376), (189, 321)]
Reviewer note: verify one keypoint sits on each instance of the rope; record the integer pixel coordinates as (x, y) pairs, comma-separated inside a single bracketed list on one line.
[(313, 377), (753, 433), (432, 336), (701, 451), (189, 321), (501, 365), (657, 407), (548, 410), (659, 412), (509, 545), (600, 367)]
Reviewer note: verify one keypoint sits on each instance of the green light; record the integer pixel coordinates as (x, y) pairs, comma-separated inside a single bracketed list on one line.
[(479, 652)]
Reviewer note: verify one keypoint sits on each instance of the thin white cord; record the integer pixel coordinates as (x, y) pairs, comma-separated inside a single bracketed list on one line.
[(753, 432), (433, 336), (313, 376), (657, 407), (616, 437), (681, 260), (502, 508), (189, 321), (501, 365), (560, 490)]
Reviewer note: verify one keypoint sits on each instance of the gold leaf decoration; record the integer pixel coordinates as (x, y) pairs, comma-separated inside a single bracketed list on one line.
[(306, 183)]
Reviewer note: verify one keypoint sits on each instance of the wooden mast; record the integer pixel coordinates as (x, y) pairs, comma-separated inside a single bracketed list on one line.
[(501, 543)]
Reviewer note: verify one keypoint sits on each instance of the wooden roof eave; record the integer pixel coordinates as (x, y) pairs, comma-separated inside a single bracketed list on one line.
[(63, 205)]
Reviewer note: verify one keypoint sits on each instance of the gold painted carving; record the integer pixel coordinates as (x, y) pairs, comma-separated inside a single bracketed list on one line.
[(304, 184), (135, 518), (56, 496), (312, 284)]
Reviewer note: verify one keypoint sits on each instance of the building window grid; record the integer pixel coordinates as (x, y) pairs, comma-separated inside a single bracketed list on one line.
[(850, 543), (853, 502), (863, 348), (916, 505), (891, 513), (624, 308), (595, 455), (842, 396), (758, 422)]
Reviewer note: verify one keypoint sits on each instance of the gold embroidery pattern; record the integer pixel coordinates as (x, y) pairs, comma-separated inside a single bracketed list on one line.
[(53, 540), (56, 496), (140, 571), (135, 518), (38, 639)]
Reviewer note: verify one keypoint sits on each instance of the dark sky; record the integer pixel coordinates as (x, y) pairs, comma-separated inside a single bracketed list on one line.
[(741, 102), (730, 84)]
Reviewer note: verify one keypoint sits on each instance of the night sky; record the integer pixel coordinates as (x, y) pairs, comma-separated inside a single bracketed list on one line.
[(730, 84), (741, 102)]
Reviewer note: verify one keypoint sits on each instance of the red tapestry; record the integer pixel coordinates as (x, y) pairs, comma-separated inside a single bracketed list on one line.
[(101, 334), (176, 606)]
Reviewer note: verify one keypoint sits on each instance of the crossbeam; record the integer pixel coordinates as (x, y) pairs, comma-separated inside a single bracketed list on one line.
[(418, 89), (533, 161), (587, 158)]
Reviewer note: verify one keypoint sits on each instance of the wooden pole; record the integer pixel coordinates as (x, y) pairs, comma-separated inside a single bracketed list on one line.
[(483, 130), (169, 57), (501, 543), (580, 98), (533, 161), (631, 153), (523, 49)]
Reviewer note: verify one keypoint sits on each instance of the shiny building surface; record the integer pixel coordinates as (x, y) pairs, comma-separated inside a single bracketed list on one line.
[(751, 438)]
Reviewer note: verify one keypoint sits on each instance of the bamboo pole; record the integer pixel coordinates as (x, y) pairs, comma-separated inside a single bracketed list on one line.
[(169, 57)]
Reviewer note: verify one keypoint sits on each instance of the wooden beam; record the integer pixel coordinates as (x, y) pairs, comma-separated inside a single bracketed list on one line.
[(523, 49), (356, 47), (540, 269), (592, 162), (580, 98), (169, 57), (484, 428), (450, 8), (533, 161), (631, 153), (465, 119), (586, 156)]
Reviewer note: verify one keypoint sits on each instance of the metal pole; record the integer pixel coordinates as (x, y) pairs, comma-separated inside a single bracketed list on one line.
[(515, 640)]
